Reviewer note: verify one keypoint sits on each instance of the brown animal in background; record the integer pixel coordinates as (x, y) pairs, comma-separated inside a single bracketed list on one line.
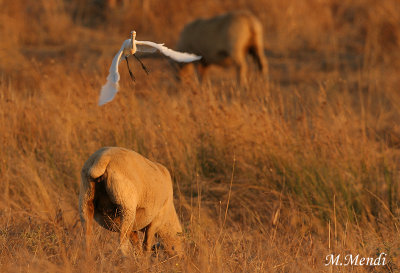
[(225, 40), (125, 192)]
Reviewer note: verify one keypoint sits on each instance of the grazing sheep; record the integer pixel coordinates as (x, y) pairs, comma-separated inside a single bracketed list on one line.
[(125, 192), (225, 40)]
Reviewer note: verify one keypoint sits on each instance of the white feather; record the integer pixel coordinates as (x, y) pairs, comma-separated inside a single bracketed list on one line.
[(109, 90), (175, 55)]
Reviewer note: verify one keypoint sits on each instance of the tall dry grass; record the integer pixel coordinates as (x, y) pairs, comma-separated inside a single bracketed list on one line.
[(270, 177)]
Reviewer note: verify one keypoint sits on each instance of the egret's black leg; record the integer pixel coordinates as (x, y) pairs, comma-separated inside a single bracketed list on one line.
[(143, 66), (130, 72)]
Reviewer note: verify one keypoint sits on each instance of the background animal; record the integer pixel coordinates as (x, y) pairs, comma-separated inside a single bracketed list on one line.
[(125, 192), (225, 40)]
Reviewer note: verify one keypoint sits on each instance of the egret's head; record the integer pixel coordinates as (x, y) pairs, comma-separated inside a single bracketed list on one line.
[(133, 35)]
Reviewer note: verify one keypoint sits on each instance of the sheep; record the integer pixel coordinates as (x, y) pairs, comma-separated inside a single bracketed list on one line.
[(225, 40), (125, 192)]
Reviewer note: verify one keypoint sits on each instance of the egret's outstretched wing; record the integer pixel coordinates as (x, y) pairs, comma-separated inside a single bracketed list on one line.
[(109, 90), (175, 55), (145, 48)]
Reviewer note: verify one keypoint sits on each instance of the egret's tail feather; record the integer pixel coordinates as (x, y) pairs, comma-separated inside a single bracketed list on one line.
[(108, 92)]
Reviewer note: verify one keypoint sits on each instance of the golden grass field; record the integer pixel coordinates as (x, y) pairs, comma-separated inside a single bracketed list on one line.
[(270, 177)]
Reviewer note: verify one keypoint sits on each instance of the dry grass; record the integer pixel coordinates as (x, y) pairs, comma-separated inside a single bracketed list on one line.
[(312, 156)]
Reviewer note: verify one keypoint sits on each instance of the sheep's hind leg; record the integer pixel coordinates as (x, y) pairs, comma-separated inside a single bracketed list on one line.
[(241, 72), (127, 221), (87, 214), (201, 70)]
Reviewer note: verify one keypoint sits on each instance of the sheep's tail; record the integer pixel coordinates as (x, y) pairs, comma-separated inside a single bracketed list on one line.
[(99, 167), (94, 170)]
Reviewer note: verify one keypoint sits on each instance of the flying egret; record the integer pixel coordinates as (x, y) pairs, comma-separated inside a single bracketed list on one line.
[(130, 47)]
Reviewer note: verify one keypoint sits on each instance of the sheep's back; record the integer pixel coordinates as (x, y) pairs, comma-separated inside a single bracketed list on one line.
[(218, 37), (132, 180)]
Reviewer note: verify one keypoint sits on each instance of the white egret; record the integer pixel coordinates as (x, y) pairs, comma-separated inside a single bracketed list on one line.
[(130, 47)]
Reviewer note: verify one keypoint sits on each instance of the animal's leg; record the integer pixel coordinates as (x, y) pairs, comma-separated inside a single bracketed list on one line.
[(258, 55), (89, 225), (134, 237), (261, 60), (178, 69), (258, 48), (238, 54), (129, 69), (149, 237), (127, 222), (255, 55), (201, 70), (86, 208), (135, 242), (241, 72), (143, 66)]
